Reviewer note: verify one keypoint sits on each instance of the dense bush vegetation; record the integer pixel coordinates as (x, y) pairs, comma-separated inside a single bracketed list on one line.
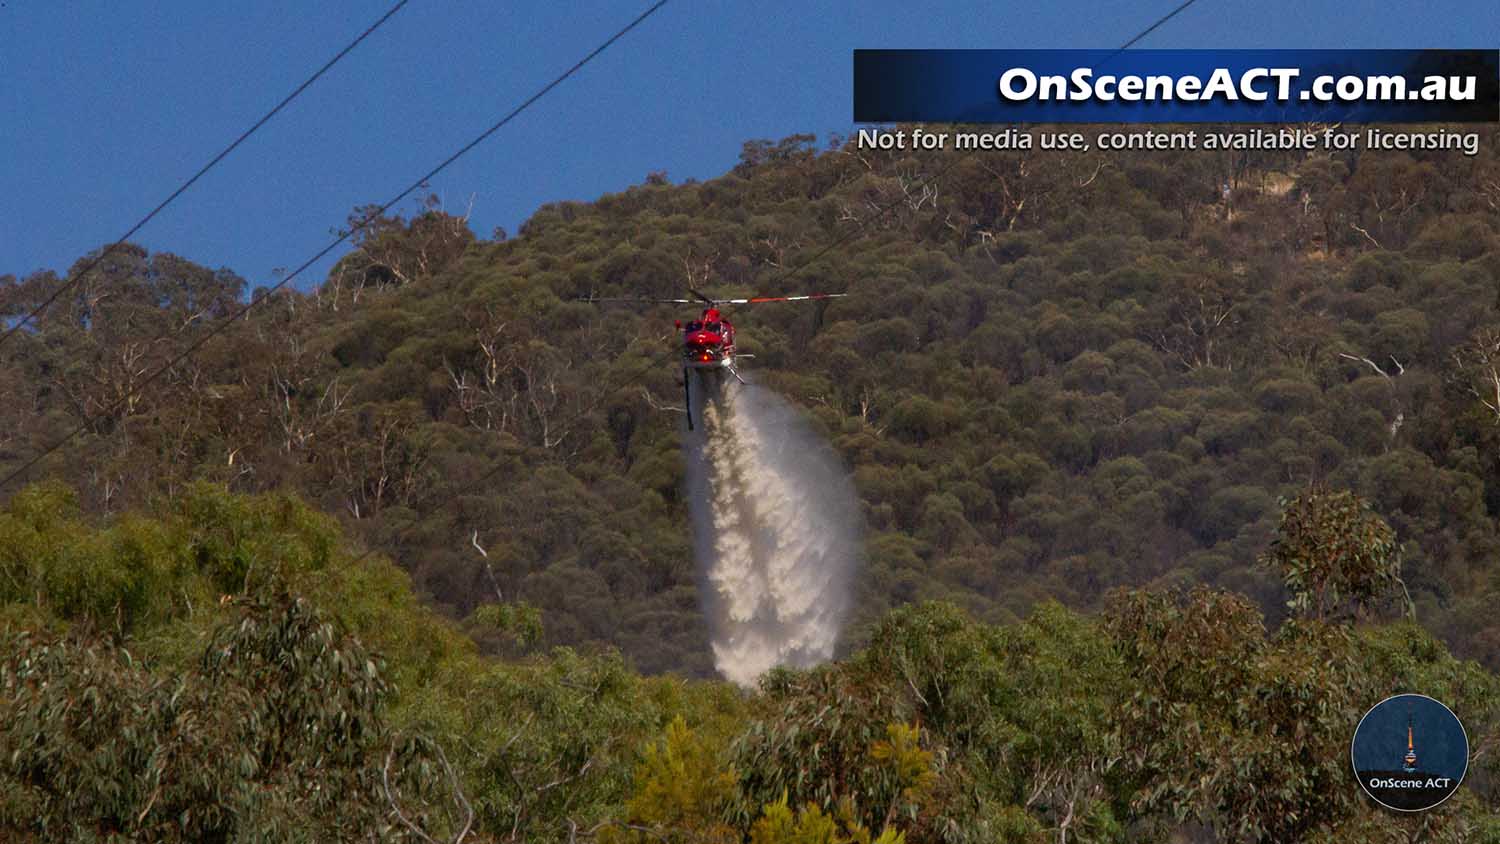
[(223, 669), (1173, 463)]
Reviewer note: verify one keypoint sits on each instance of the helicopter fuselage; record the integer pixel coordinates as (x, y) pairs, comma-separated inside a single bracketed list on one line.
[(708, 342)]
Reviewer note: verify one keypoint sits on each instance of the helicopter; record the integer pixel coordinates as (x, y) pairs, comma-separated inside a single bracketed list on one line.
[(708, 341)]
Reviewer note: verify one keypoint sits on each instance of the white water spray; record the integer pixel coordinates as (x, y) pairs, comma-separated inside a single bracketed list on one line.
[(777, 530)]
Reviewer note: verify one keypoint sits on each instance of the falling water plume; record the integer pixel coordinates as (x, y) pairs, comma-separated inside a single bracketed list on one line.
[(776, 526)]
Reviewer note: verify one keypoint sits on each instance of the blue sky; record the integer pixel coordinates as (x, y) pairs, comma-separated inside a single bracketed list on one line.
[(107, 106)]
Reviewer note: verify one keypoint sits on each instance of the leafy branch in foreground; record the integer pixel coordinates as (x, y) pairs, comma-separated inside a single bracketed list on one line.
[(1335, 554)]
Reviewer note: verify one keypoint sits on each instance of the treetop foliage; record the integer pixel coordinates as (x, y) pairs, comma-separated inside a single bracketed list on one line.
[(317, 696)]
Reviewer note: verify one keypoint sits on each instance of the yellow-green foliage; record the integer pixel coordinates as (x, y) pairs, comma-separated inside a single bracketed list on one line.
[(160, 579), (681, 787), (113, 578), (903, 755), (685, 788), (681, 777), (778, 824)]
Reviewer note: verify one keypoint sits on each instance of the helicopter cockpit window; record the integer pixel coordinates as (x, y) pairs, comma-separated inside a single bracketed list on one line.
[(695, 326), (712, 326)]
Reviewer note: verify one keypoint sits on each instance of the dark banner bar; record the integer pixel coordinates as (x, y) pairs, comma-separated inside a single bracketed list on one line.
[(1176, 86)]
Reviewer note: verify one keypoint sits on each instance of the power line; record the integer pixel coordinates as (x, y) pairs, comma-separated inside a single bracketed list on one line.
[(1152, 28), (359, 226), (182, 188)]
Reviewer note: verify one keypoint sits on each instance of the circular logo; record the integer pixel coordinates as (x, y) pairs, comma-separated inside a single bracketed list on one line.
[(1409, 752)]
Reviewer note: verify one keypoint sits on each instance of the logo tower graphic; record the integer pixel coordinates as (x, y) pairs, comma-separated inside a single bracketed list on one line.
[(1409, 763)]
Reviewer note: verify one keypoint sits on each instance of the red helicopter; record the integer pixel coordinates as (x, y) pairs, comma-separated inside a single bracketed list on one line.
[(708, 341)]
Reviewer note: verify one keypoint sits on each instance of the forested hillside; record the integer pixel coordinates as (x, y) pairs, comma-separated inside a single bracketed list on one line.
[(1058, 374), (1199, 456)]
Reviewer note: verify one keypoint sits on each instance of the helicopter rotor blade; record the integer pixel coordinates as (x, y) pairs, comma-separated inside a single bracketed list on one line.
[(756, 300), (636, 300), (701, 298)]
